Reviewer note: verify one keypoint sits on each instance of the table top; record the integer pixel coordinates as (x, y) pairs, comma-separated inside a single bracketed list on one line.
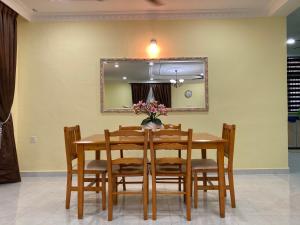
[(197, 138)]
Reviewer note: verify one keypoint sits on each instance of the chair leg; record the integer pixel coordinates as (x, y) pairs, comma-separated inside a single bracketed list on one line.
[(195, 190), (225, 190), (153, 197), (68, 191), (188, 198), (180, 168), (231, 188), (103, 177), (147, 190), (124, 183), (145, 199), (115, 189), (191, 186), (184, 189), (97, 181), (110, 200), (204, 174), (179, 183)]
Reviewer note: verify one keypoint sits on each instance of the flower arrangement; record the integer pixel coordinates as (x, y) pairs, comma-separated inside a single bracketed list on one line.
[(152, 109)]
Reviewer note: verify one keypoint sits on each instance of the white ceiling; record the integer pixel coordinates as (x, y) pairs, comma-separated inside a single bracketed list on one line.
[(293, 31), (142, 9)]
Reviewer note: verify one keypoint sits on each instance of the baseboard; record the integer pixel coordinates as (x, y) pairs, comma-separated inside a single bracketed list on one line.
[(262, 171), (236, 171), (43, 174)]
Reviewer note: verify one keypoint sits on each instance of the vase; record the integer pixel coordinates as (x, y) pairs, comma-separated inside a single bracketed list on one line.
[(152, 126)]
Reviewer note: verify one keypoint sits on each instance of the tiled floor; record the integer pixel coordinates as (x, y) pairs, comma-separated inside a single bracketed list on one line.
[(261, 200), (294, 161)]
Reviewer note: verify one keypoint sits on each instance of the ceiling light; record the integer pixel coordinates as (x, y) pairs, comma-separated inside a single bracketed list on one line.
[(201, 74), (176, 82), (153, 49), (116, 65), (124, 78), (290, 41), (151, 78), (151, 63)]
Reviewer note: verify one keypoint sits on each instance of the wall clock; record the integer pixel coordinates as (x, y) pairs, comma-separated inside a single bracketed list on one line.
[(188, 93)]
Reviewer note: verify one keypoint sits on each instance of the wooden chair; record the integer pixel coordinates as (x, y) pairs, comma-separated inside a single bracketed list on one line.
[(204, 166), (172, 180), (171, 140), (123, 181), (95, 167), (126, 167)]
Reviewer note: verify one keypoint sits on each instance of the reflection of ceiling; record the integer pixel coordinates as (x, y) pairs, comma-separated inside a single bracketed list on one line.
[(142, 9), (134, 70), (142, 71), (185, 70), (293, 31)]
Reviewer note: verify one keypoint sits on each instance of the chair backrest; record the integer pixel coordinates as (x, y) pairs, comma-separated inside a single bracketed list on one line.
[(228, 133), (130, 127), (172, 127), (125, 140), (71, 134), (170, 140)]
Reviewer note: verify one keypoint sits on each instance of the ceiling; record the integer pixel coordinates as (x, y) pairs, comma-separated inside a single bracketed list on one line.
[(293, 31), (142, 9)]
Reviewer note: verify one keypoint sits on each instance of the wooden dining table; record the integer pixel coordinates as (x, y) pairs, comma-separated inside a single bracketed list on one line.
[(200, 141)]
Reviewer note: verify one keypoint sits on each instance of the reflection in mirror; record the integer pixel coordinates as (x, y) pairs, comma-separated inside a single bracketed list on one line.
[(181, 84)]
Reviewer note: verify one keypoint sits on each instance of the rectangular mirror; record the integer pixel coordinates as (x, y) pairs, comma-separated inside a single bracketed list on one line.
[(181, 84)]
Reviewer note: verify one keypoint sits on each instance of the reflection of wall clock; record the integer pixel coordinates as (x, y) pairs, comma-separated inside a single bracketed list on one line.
[(188, 93)]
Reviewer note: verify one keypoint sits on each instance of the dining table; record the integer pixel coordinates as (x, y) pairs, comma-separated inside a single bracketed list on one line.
[(200, 141)]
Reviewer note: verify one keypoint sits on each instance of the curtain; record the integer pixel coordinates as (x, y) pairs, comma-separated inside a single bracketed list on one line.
[(9, 168), (139, 92), (162, 93)]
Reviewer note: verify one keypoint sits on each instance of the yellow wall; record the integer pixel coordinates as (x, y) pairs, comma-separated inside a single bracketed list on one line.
[(198, 95), (117, 95), (58, 83)]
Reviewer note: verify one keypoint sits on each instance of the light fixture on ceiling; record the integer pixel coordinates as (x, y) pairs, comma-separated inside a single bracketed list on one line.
[(116, 65), (291, 41), (124, 78), (153, 49), (176, 82)]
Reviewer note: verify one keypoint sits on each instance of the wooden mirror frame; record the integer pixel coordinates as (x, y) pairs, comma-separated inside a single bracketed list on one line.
[(183, 109)]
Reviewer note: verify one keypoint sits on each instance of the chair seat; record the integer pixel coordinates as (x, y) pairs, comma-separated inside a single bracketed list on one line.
[(128, 170), (200, 164), (99, 165), (170, 169)]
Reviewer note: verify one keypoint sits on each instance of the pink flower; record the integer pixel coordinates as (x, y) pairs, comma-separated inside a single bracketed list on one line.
[(152, 109)]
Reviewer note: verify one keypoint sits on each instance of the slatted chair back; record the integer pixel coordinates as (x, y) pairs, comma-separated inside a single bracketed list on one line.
[(228, 133), (72, 134), (125, 140), (171, 140), (172, 127)]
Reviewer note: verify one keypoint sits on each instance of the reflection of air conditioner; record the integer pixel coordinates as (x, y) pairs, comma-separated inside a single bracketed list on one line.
[(186, 71)]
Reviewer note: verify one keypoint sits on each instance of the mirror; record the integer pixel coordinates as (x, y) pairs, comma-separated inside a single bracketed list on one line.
[(181, 84)]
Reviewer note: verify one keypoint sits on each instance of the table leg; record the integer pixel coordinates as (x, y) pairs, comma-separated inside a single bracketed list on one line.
[(221, 175), (80, 175)]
